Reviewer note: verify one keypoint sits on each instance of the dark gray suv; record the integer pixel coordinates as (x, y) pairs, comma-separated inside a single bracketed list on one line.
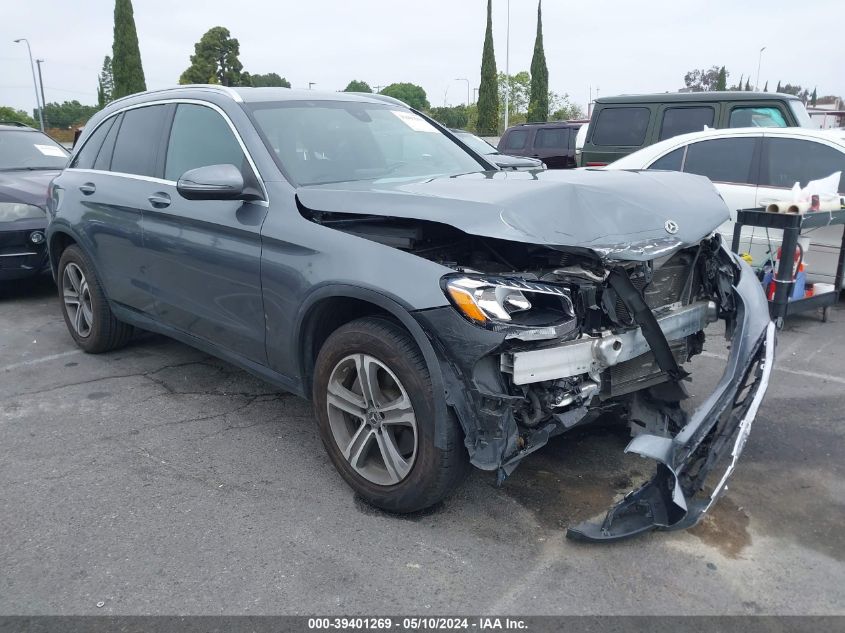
[(438, 311)]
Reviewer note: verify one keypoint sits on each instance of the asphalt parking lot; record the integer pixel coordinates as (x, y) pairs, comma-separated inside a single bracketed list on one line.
[(158, 480)]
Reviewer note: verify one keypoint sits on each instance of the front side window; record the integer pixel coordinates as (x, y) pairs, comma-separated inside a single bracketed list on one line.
[(722, 160), (200, 137), (26, 149), (793, 160), (756, 117), (318, 142), (137, 145), (551, 138), (516, 139), (682, 120), (621, 126)]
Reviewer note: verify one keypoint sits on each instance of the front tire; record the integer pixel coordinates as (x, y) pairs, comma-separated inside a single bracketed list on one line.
[(375, 410), (84, 306)]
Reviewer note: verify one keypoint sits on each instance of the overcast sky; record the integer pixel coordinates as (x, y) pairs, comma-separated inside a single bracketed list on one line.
[(617, 46)]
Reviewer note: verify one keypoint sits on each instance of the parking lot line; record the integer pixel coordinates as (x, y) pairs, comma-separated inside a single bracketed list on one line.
[(787, 370), (43, 359)]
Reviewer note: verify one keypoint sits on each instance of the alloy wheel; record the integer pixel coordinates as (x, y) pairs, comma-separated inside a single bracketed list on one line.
[(372, 419), (77, 300)]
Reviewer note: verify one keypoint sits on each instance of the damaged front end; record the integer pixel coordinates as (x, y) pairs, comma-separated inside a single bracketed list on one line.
[(566, 345), (542, 339)]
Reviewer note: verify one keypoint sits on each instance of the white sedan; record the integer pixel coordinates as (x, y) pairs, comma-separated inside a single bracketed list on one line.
[(752, 167)]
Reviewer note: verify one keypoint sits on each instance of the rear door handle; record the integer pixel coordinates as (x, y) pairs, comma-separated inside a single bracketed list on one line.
[(159, 200), (88, 188)]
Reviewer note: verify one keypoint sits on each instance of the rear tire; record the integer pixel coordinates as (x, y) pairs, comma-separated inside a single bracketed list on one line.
[(86, 310), (382, 443)]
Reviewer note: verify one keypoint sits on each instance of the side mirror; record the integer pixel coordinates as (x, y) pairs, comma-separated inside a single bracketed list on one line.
[(214, 182)]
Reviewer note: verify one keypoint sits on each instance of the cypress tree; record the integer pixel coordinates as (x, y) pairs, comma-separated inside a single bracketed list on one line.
[(814, 97), (748, 85), (778, 88), (722, 79), (766, 87), (127, 70), (538, 104), (488, 91)]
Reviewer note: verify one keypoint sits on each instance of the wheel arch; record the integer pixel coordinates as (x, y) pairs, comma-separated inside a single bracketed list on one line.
[(334, 305)]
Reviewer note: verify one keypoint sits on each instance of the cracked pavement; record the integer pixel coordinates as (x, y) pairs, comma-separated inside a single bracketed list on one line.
[(159, 480)]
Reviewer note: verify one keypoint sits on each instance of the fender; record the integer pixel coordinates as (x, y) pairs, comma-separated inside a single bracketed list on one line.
[(402, 314), (60, 226)]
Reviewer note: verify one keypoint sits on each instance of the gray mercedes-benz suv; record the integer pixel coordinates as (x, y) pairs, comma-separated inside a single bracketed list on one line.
[(437, 310)]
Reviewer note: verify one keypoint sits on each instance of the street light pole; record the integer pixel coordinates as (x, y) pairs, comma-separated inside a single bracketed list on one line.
[(34, 83), (311, 84), (41, 83), (759, 61), (507, 67), (466, 80)]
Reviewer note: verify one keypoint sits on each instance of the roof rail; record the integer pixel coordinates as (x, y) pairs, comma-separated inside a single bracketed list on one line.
[(16, 124), (226, 90)]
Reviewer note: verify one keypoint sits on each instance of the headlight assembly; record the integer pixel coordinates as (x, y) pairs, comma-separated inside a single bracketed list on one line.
[(11, 211), (521, 309)]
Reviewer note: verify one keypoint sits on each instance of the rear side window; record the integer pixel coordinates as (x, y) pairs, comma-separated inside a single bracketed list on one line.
[(621, 126), (552, 138), (722, 160), (138, 141), (671, 162), (682, 120), (516, 139), (200, 137), (756, 117), (793, 160), (88, 154)]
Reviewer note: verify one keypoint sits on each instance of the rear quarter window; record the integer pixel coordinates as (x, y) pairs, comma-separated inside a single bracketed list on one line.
[(621, 126), (671, 161), (87, 155)]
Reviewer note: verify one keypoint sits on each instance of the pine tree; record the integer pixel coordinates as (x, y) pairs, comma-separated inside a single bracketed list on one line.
[(216, 54), (538, 104), (722, 79), (127, 71), (488, 91)]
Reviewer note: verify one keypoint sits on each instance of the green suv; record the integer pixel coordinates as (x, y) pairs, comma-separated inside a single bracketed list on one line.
[(621, 125)]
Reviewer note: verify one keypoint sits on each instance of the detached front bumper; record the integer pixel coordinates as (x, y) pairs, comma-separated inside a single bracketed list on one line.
[(713, 438)]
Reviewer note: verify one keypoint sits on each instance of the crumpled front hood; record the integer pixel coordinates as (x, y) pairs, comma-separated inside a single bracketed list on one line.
[(618, 214), (27, 187)]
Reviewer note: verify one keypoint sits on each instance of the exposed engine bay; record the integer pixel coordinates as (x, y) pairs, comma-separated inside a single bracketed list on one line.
[(581, 335)]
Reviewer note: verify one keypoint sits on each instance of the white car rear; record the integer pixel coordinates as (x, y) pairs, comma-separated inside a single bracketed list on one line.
[(752, 167)]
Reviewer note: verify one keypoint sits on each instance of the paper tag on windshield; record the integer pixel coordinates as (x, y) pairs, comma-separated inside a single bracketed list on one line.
[(416, 123), (50, 150)]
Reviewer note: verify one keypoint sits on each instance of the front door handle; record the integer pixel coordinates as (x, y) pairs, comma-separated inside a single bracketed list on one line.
[(159, 200), (88, 188)]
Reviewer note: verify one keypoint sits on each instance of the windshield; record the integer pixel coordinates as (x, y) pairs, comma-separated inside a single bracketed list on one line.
[(801, 114), (477, 144), (25, 149), (318, 142)]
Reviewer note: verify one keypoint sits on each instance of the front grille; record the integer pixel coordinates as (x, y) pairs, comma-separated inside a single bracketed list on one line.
[(640, 372)]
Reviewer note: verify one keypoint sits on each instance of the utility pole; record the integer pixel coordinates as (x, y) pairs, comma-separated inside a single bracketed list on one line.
[(34, 83), (508, 67), (378, 88), (311, 84), (759, 61), (41, 83), (466, 80)]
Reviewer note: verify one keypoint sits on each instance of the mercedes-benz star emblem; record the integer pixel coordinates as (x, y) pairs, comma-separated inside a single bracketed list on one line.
[(671, 227)]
